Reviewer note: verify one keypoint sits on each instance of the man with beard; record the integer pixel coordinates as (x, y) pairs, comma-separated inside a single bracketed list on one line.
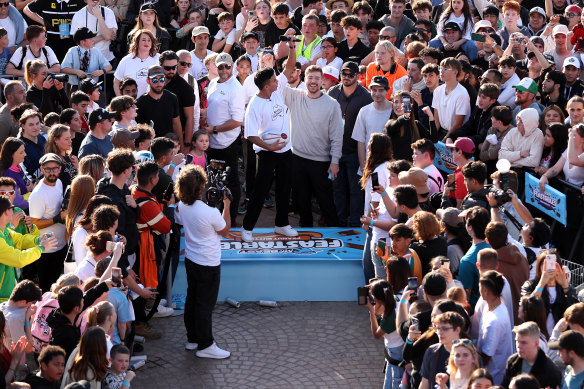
[(45, 211), (183, 92), (525, 93), (553, 90), (159, 106), (316, 144), (574, 85), (571, 350)]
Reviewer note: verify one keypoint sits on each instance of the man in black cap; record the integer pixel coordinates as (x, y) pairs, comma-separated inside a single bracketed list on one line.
[(98, 140), (100, 20), (159, 106), (571, 350), (84, 60), (251, 42), (452, 34), (351, 96), (45, 211)]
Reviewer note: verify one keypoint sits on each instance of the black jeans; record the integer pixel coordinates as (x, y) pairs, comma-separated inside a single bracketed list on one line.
[(202, 291), (230, 155), (50, 267), (270, 163), (250, 169), (312, 177)]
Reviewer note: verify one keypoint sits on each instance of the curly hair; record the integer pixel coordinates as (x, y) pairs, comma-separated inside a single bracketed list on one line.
[(426, 226), (190, 184)]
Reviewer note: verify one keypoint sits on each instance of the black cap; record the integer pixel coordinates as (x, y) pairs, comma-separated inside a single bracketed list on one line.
[(452, 26), (88, 85), (250, 34), (569, 340), (98, 116), (50, 157), (380, 81), (350, 66), (434, 284), (83, 33), (148, 7)]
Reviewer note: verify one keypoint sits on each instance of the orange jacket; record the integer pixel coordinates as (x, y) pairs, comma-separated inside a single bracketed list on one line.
[(375, 70)]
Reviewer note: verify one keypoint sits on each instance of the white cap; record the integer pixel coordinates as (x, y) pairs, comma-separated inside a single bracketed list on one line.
[(483, 24), (331, 72), (560, 29), (572, 61), (538, 10)]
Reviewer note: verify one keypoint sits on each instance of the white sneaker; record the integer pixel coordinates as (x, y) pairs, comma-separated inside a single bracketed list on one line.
[(190, 346), (286, 230), (213, 352), (163, 302), (246, 235), (164, 312)]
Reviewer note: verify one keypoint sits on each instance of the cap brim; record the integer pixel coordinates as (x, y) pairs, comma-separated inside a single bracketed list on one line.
[(521, 88), (223, 63), (379, 85), (450, 145)]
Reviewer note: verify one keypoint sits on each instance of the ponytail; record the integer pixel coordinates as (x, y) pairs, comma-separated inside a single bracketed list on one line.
[(98, 314)]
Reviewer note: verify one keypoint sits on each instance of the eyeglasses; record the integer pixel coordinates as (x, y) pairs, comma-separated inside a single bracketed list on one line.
[(348, 75), (462, 341), (442, 69), (571, 14), (385, 37), (9, 193), (224, 67), (157, 80), (187, 64), (442, 329), (52, 169), (170, 67), (4, 4)]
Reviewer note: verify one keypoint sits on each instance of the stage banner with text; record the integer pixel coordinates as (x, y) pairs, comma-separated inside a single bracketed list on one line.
[(552, 202), (443, 158)]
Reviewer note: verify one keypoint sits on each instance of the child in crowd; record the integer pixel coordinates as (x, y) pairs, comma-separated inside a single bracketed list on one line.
[(5, 53), (118, 374), (225, 38), (18, 312), (200, 146), (92, 89)]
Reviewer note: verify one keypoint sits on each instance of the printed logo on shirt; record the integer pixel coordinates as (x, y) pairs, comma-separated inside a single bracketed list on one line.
[(142, 73), (278, 112)]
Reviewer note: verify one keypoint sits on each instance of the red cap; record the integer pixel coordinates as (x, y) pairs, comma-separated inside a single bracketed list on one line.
[(463, 144)]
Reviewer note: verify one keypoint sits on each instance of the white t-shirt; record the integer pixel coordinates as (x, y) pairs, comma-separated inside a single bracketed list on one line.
[(432, 171), (574, 174), (250, 89), (201, 223), (82, 18), (460, 21), (45, 203), (337, 63), (230, 36), (495, 340), (254, 59), (263, 115), (507, 96), (137, 69), (50, 59), (226, 102), (78, 238), (198, 69), (9, 26), (449, 105), (86, 268), (369, 121)]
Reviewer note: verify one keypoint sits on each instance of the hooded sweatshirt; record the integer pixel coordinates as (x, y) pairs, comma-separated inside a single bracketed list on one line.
[(532, 141), (515, 268)]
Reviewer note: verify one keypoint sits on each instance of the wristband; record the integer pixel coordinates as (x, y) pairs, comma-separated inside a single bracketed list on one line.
[(57, 219), (540, 290), (408, 341), (26, 323), (124, 383), (383, 193), (371, 224), (402, 301), (173, 165)]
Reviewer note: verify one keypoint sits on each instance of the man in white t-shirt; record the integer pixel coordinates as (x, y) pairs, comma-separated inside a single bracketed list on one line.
[(451, 101), (100, 20), (267, 117), (200, 37), (423, 158), (45, 211), (14, 23), (225, 114)]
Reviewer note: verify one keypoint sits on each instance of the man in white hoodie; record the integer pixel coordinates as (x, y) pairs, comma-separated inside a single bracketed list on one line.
[(523, 144)]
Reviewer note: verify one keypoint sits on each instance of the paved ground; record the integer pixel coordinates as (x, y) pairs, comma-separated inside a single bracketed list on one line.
[(297, 345)]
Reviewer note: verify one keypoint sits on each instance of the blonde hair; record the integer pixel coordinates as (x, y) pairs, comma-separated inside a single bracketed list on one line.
[(32, 68), (387, 45), (68, 279), (451, 368), (98, 314)]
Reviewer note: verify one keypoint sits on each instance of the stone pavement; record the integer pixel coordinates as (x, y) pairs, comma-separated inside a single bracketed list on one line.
[(296, 345)]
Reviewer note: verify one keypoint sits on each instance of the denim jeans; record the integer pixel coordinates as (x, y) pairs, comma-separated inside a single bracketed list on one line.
[(348, 191), (393, 373), (469, 47), (378, 263)]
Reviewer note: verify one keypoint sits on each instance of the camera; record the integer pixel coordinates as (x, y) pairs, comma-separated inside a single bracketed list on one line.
[(501, 195), (58, 76), (217, 175), (284, 38), (66, 198)]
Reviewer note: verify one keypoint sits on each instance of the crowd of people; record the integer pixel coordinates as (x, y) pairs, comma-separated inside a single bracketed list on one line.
[(126, 123)]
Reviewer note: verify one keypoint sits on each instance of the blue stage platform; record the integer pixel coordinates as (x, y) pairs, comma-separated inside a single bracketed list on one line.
[(321, 264)]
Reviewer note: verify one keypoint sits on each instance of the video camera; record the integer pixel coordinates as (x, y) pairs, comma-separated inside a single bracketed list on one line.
[(58, 76), (217, 175), (284, 38), (502, 195)]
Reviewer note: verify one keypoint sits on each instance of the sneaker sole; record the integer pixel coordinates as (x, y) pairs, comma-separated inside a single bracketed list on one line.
[(211, 356), (159, 315)]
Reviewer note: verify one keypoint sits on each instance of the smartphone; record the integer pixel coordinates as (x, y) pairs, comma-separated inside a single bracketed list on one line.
[(168, 192), (407, 104), (362, 293), (445, 263), (412, 283), (381, 247), (117, 276), (371, 208), (550, 262), (251, 14), (189, 159), (478, 37), (109, 246), (451, 180), (374, 180), (416, 323)]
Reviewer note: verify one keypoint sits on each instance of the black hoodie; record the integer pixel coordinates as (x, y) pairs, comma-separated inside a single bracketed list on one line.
[(37, 382)]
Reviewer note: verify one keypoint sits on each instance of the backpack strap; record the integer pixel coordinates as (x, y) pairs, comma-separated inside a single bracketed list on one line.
[(24, 49)]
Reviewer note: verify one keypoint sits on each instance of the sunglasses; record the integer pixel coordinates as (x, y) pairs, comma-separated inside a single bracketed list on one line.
[(187, 64), (567, 14), (385, 37), (462, 341), (4, 4), (348, 75), (9, 193), (157, 80), (170, 67), (223, 67)]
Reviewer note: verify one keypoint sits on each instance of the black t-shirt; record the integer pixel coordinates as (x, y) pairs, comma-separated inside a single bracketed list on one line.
[(359, 50), (54, 14), (184, 93), (160, 111), (76, 143), (273, 33)]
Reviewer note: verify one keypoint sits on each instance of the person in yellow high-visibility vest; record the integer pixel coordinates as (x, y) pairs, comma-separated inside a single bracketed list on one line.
[(309, 45)]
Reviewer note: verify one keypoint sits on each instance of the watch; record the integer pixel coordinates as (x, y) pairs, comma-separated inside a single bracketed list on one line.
[(187, 144), (214, 129)]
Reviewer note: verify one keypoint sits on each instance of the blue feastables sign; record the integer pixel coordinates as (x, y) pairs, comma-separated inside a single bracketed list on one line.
[(443, 158), (552, 202)]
